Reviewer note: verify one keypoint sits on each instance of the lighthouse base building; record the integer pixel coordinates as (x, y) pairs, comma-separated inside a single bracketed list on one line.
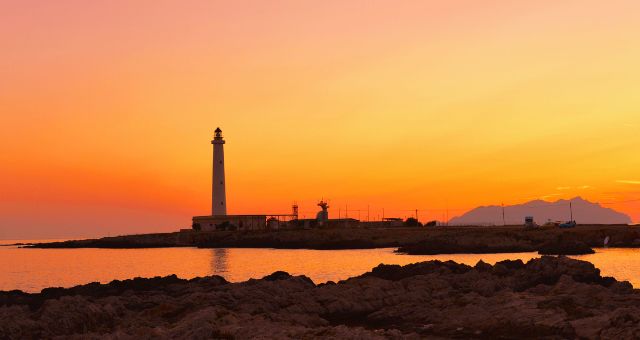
[(230, 222)]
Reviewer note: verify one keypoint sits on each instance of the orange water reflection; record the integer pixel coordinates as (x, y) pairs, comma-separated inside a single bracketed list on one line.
[(33, 269), (620, 263)]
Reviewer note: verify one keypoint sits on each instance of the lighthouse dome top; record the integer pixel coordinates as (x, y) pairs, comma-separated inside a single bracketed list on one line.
[(218, 136)]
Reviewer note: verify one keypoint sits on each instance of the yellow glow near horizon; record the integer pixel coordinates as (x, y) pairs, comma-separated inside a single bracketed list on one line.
[(108, 109)]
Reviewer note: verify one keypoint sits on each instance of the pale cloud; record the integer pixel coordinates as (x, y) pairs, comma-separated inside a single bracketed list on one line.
[(582, 187), (624, 181)]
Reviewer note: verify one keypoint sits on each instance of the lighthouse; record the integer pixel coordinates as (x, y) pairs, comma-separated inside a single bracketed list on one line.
[(218, 194), (219, 220)]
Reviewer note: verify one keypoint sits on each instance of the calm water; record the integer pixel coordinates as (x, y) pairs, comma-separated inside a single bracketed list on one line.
[(33, 269)]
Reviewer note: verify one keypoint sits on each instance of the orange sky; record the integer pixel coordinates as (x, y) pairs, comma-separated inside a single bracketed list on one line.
[(108, 108)]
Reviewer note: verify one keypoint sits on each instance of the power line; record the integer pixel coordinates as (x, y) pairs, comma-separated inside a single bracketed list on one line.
[(619, 202)]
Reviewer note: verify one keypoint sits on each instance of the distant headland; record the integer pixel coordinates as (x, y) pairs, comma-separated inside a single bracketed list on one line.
[(578, 209)]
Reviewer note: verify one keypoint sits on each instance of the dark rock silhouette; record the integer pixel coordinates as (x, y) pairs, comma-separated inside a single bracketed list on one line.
[(549, 298), (584, 212), (570, 247), (427, 240)]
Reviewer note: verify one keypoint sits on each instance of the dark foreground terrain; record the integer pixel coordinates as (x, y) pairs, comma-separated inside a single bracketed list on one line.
[(549, 297), (423, 241)]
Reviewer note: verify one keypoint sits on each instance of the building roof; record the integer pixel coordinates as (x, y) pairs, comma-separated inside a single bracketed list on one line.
[(229, 216)]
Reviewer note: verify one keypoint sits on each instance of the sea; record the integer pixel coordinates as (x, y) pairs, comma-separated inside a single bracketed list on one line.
[(31, 270)]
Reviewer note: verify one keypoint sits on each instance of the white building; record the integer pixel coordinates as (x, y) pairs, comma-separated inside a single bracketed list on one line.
[(218, 192), (219, 220)]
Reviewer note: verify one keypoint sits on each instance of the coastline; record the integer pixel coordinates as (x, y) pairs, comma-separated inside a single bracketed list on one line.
[(548, 297), (412, 241)]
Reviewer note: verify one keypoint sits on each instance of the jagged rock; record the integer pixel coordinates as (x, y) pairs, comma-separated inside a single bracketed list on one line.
[(549, 297), (569, 247)]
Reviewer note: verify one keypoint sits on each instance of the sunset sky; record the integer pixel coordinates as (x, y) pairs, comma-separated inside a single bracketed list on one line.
[(108, 108)]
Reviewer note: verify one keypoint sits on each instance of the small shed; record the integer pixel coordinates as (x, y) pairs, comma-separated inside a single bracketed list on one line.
[(529, 222)]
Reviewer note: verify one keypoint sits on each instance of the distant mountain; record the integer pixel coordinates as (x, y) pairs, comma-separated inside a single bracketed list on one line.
[(584, 212)]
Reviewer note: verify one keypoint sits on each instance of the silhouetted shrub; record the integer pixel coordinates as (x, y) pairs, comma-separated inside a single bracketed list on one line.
[(412, 222)]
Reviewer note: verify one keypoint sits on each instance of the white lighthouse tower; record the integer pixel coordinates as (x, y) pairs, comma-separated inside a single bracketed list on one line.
[(218, 194)]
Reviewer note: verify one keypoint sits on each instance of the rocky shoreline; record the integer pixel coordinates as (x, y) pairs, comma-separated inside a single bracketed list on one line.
[(413, 241), (549, 297)]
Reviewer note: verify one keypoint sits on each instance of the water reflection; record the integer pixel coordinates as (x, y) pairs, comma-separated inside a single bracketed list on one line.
[(219, 261), (33, 269)]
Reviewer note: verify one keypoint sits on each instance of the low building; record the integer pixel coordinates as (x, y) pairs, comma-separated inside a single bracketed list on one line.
[(317, 223), (382, 224), (393, 221), (230, 222), (529, 222)]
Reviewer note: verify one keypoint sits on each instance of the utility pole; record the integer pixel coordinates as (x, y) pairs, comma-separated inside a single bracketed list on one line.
[(383, 214), (571, 210), (504, 221), (416, 214), (447, 215), (446, 203), (368, 220)]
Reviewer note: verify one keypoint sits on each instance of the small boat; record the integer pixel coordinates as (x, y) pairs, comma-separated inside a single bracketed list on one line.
[(569, 224), (572, 223)]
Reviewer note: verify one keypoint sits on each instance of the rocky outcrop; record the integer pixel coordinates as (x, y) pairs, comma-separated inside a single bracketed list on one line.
[(570, 247), (548, 298), (573, 241), (159, 240), (416, 241)]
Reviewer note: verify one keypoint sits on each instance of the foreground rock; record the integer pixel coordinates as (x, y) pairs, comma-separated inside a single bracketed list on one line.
[(549, 298)]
